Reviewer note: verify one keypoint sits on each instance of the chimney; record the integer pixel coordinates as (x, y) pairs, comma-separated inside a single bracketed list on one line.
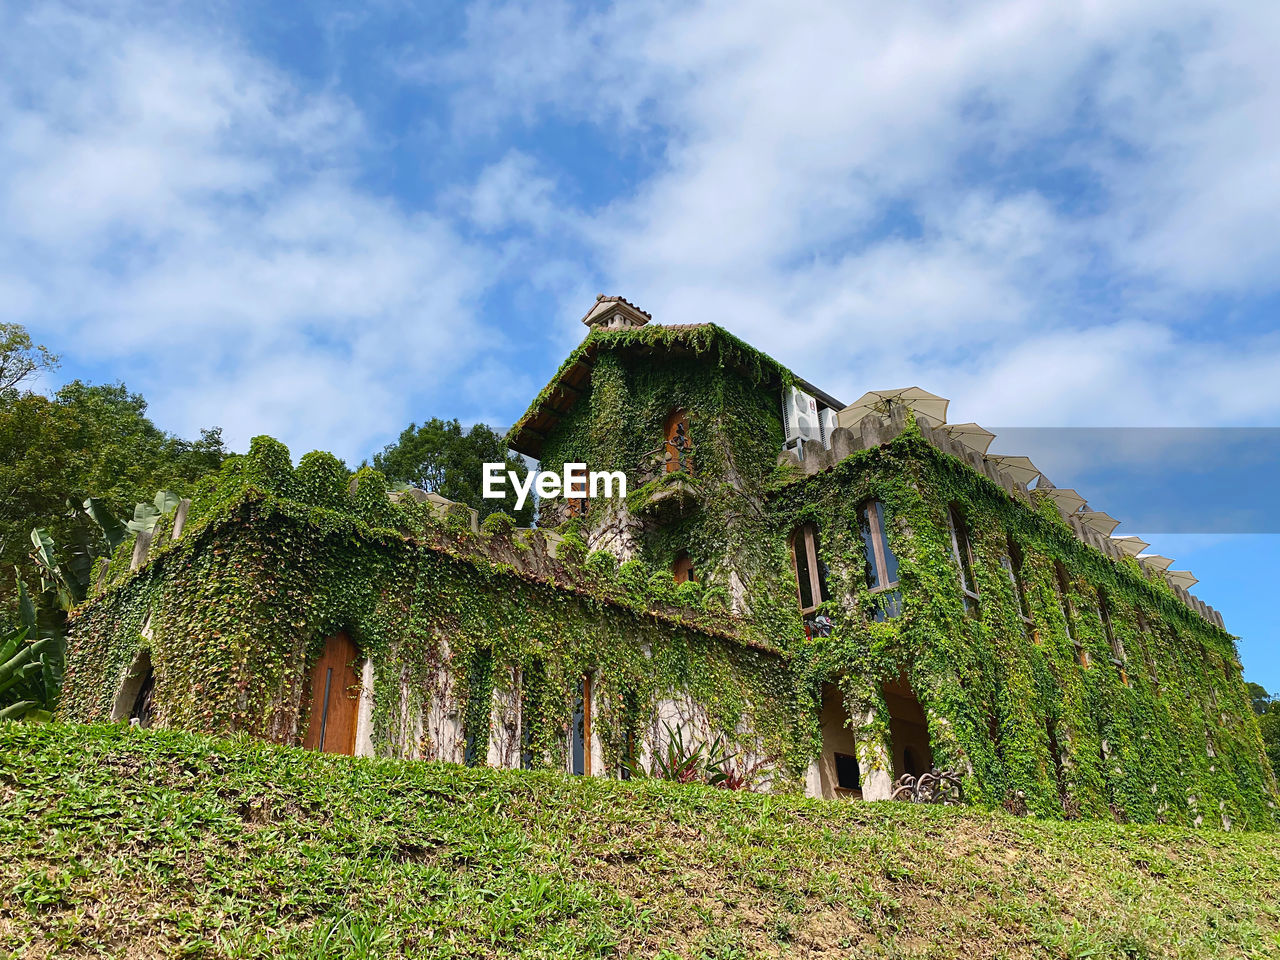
[(614, 313)]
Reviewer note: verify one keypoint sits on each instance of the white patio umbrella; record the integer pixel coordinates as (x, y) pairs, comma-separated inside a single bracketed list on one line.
[(925, 404), (1131, 545), (971, 435), (1181, 578), (1103, 523), (1068, 500), (1155, 561), (1020, 469)]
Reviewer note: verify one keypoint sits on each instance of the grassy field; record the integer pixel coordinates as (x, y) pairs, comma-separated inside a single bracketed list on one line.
[(139, 844)]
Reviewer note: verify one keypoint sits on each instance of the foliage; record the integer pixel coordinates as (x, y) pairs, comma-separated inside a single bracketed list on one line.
[(1258, 697), (681, 761), (20, 357), (259, 579), (440, 457), (498, 524), (85, 442), (30, 673), (160, 843)]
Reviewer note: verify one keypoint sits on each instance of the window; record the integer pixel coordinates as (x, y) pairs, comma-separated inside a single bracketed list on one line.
[(1147, 641), (682, 568), (477, 717), (677, 447), (848, 776), (580, 735), (811, 574), (630, 735), (963, 555), (882, 563), (533, 680), (1117, 647), (1064, 600), (1013, 564)]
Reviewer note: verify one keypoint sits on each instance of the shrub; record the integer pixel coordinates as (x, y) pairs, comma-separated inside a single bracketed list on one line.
[(498, 525)]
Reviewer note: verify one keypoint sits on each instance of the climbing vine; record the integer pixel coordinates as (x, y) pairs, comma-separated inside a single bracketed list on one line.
[(1075, 685)]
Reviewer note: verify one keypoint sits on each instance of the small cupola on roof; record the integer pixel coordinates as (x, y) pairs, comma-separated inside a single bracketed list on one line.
[(614, 313)]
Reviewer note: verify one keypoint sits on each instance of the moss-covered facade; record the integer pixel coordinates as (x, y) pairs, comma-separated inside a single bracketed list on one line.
[(939, 615)]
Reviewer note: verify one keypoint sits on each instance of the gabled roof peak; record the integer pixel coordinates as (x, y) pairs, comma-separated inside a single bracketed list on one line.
[(615, 313)]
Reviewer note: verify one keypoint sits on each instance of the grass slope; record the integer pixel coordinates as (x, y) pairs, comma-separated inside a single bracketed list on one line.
[(138, 844)]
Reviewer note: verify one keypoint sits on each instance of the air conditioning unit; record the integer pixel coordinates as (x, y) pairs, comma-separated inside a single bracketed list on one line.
[(828, 420), (800, 419)]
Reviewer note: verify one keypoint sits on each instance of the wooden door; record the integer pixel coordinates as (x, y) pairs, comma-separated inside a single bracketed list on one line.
[(335, 698)]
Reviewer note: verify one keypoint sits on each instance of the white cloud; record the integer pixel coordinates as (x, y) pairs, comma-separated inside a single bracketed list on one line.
[(183, 213), (1029, 205)]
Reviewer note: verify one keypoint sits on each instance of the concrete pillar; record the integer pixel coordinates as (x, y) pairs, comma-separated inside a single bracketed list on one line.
[(364, 712), (180, 517), (844, 442), (141, 547)]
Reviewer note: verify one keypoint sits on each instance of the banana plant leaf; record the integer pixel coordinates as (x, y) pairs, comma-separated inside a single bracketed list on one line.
[(43, 554), (18, 710), (26, 607), (166, 502), (144, 519), (113, 530), (27, 653), (10, 643)]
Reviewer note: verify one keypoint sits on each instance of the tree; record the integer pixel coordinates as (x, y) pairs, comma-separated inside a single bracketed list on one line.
[(19, 357), (440, 457), (86, 440), (1259, 697), (1269, 724)]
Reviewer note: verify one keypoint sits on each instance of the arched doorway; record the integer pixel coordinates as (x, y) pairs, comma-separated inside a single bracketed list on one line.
[(838, 768), (908, 729), (335, 698), (135, 697)]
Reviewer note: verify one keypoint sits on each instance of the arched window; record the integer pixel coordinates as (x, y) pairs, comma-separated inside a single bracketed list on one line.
[(811, 574), (677, 446), (882, 563), (682, 568)]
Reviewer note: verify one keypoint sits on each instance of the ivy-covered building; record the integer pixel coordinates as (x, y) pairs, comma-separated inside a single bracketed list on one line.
[(838, 595)]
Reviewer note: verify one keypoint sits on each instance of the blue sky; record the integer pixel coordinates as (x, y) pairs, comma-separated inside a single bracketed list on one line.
[(322, 224)]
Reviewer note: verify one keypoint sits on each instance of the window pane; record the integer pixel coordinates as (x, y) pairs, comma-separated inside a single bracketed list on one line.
[(868, 543), (890, 558), (802, 570), (578, 746), (822, 567)]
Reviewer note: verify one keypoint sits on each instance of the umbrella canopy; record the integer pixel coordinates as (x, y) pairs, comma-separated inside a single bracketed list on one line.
[(1068, 500), (1020, 469), (1155, 560), (1103, 523), (1181, 578), (971, 435), (925, 404), (1131, 545)]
